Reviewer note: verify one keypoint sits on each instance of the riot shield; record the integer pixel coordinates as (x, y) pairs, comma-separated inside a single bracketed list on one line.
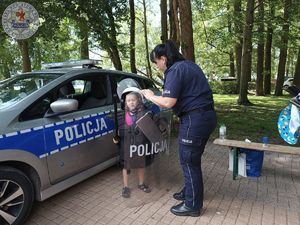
[(145, 148)]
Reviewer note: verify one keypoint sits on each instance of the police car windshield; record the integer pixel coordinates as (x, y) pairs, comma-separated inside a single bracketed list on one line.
[(16, 88)]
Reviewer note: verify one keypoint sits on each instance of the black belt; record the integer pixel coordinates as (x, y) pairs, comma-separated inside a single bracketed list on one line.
[(201, 109)]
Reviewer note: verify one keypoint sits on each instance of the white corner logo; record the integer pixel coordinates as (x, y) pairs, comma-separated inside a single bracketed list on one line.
[(20, 20)]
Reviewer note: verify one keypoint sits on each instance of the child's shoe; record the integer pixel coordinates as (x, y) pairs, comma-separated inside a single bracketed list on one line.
[(125, 192), (144, 188)]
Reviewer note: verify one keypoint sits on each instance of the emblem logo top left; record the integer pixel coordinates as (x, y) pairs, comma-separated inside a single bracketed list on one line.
[(20, 20)]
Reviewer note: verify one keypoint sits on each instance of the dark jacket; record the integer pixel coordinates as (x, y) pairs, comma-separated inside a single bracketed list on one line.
[(131, 138)]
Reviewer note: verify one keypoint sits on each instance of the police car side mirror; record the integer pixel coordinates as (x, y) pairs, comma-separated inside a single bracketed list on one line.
[(64, 105)]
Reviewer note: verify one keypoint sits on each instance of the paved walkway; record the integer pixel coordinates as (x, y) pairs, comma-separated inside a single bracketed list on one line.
[(273, 198)]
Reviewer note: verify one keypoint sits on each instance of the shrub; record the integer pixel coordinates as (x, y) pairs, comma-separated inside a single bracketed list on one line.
[(252, 85), (224, 87)]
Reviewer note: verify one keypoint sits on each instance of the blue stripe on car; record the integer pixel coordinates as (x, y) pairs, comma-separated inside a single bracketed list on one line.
[(52, 138)]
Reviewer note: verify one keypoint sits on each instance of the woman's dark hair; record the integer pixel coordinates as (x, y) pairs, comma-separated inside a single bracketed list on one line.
[(168, 50)]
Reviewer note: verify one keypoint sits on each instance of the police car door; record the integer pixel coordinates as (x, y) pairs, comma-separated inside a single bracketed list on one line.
[(82, 138)]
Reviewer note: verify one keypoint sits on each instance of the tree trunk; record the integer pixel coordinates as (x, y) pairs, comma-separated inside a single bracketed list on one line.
[(23, 45), (132, 37), (149, 71), (164, 20), (112, 36), (84, 40), (187, 42), (297, 71), (260, 50), (283, 49), (231, 56), (289, 71), (171, 21), (174, 22), (247, 54), (37, 59), (115, 57), (238, 48), (268, 50), (231, 66)]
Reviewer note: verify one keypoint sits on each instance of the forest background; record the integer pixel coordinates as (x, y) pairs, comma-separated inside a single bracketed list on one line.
[(252, 44)]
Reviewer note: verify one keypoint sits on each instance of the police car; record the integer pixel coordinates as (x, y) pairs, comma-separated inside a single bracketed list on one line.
[(56, 130)]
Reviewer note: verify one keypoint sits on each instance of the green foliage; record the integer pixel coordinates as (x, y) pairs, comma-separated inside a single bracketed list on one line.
[(10, 63), (101, 17), (213, 39), (153, 38), (211, 36), (224, 87), (63, 47), (58, 37)]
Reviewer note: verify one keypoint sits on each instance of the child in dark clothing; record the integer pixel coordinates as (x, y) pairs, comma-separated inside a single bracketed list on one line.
[(131, 137)]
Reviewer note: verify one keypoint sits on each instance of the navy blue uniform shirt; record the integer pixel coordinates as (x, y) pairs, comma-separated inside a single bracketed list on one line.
[(186, 82)]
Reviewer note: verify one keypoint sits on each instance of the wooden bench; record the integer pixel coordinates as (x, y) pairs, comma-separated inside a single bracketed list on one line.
[(237, 145)]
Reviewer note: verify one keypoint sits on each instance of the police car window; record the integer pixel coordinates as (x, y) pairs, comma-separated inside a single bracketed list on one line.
[(90, 92), (17, 88), (93, 91), (38, 109), (143, 82), (78, 86), (149, 84), (120, 77)]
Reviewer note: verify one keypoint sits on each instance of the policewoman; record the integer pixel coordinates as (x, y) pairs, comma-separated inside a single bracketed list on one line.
[(187, 92)]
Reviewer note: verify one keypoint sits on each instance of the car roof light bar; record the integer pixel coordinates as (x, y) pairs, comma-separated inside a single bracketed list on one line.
[(84, 63)]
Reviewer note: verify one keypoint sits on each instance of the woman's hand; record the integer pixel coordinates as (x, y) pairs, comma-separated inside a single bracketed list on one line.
[(161, 101), (148, 93)]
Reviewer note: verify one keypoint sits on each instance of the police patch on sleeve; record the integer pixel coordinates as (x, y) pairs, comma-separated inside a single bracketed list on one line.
[(166, 92)]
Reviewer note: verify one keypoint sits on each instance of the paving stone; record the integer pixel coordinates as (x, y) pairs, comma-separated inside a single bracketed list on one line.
[(273, 198)]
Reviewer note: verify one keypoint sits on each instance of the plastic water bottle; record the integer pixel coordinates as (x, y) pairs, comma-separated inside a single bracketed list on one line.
[(265, 141), (222, 132)]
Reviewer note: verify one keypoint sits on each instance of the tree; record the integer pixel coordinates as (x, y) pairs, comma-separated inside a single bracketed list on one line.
[(260, 50), (164, 20), (268, 49), (247, 54), (23, 44), (84, 39), (297, 71), (104, 20), (62, 45), (231, 55), (186, 28), (149, 71), (9, 63), (132, 36), (111, 37), (283, 48), (238, 29), (174, 22)]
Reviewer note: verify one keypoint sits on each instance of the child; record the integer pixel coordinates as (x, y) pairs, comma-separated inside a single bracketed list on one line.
[(130, 136)]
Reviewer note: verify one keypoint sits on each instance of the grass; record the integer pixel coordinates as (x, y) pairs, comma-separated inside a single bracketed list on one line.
[(252, 122)]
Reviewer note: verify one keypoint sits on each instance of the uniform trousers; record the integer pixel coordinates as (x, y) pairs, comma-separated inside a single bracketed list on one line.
[(195, 129)]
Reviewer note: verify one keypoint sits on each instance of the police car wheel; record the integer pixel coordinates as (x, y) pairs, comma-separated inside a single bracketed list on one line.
[(16, 196)]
